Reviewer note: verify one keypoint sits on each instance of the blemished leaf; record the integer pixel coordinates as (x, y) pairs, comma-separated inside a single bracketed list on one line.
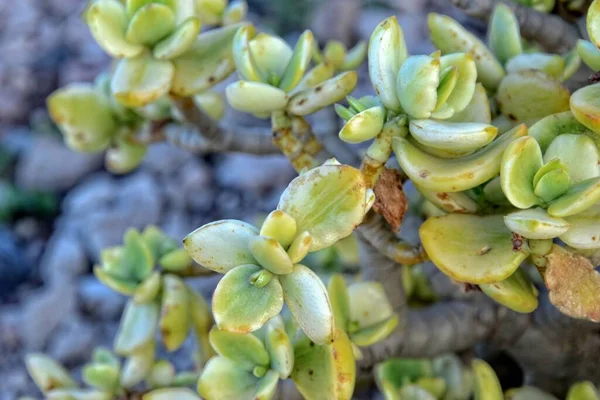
[(471, 248), (84, 116), (387, 52), (222, 379), (47, 373), (331, 91), (221, 245), (549, 128), (245, 349), (535, 223), (325, 371), (174, 319), (515, 292), (530, 94), (141, 80), (487, 386), (573, 284), (584, 229), (239, 306), (457, 174), (170, 394), (279, 347), (137, 327), (307, 299), (328, 202)]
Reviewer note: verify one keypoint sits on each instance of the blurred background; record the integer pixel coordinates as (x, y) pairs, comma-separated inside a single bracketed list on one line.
[(59, 209)]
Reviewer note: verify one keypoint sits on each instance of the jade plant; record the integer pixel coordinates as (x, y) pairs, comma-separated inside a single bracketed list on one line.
[(501, 166)]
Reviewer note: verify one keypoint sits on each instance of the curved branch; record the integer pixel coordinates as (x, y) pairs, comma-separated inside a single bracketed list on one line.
[(551, 31)]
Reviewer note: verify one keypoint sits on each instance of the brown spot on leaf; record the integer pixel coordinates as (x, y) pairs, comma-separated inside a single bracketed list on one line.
[(517, 241), (390, 200), (424, 174)]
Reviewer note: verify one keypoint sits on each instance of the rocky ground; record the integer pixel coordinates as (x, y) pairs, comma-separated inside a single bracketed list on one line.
[(49, 299)]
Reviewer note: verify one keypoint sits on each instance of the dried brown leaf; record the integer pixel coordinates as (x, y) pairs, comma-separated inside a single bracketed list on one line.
[(391, 202), (574, 284)]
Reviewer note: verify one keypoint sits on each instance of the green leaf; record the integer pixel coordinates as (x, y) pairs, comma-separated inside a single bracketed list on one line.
[(279, 226), (179, 41), (528, 393), (244, 349), (222, 379), (239, 306), (141, 80), (222, 245), (298, 63), (107, 20), (450, 37), (515, 292), (504, 34), (363, 126), (84, 117), (417, 84), (448, 79), (133, 6), (471, 248), (459, 380), (579, 153), (306, 297), (325, 371), (279, 347), (170, 394), (589, 53), (453, 136), (531, 94), (374, 333), (138, 365), (255, 97), (176, 260), (137, 260), (77, 394), (458, 174), (267, 386), (300, 247), (271, 55), (450, 201), (387, 52), (47, 373), (125, 156), (101, 376), (207, 62), (593, 24), (461, 95), (520, 162), (585, 105), (584, 231), (398, 371), (123, 286), (270, 255), (137, 326), (583, 391), (150, 24), (579, 198), (328, 201), (369, 304), (553, 184), (340, 302), (487, 386)]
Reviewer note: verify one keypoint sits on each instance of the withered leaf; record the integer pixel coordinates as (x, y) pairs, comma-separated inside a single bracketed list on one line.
[(391, 202)]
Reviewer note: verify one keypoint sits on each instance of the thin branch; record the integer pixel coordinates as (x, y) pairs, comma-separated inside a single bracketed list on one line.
[(551, 31)]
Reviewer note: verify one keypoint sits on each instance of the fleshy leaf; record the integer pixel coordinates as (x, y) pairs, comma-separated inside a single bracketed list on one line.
[(221, 245), (328, 202), (584, 230), (487, 386), (141, 80), (83, 115), (179, 41), (589, 54), (279, 347), (451, 37), (271, 54), (107, 20), (340, 302), (47, 373), (148, 289), (363, 126), (520, 162), (255, 97), (397, 371), (270, 255), (454, 175), (552, 184), (573, 284), (449, 201), (417, 84), (369, 304), (325, 371), (150, 24), (279, 226), (375, 332), (170, 394), (550, 127), (77, 394), (454, 136), (174, 319), (222, 379), (535, 223), (415, 392), (459, 380), (504, 34), (478, 109), (593, 24), (531, 94), (467, 79), (312, 99), (515, 292), (298, 63), (579, 198), (307, 299), (579, 153), (239, 306), (138, 365), (101, 376), (583, 391), (244, 349), (137, 327), (471, 248), (551, 64), (585, 105)]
